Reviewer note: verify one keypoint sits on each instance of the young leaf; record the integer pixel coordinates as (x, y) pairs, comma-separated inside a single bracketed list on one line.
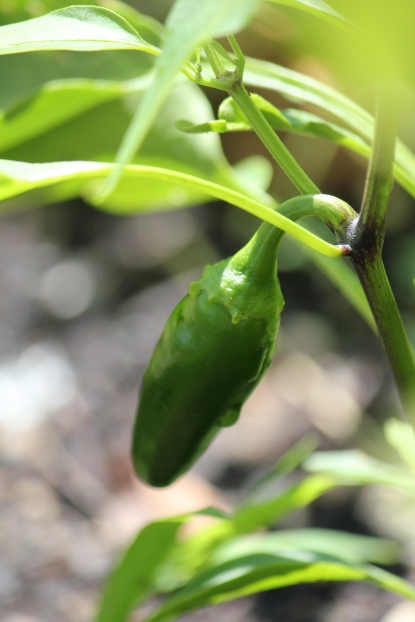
[(188, 24), (401, 436), (259, 571), (353, 467), (318, 8), (232, 119), (79, 28)]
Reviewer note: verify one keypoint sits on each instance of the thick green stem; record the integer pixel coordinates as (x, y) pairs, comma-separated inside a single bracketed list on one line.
[(375, 282), (366, 235), (379, 182)]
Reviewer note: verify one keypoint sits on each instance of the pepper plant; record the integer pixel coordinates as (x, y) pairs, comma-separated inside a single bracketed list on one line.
[(116, 143)]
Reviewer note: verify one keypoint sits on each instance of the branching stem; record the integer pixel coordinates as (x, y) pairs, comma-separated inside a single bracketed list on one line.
[(232, 81), (366, 236)]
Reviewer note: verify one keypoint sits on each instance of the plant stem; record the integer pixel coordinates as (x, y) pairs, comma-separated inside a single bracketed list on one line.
[(379, 180), (366, 236), (271, 140), (235, 88), (392, 332)]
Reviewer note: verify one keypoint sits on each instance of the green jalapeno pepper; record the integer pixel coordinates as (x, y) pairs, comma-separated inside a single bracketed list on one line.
[(215, 348)]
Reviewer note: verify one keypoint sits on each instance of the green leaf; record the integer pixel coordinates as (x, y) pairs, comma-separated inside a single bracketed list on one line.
[(55, 103), (23, 75), (133, 578), (218, 127), (80, 28), (268, 511), (302, 89), (353, 467), (259, 572), (401, 436), (188, 25), (232, 119), (192, 552), (148, 27), (19, 177), (318, 8), (83, 139), (348, 547), (255, 173), (221, 50)]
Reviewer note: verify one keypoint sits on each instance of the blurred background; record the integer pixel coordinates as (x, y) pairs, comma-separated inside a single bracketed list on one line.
[(84, 298)]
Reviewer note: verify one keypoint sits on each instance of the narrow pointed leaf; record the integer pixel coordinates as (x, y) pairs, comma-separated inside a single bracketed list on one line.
[(269, 511), (258, 572), (188, 25), (302, 89), (19, 177), (135, 576), (346, 546)]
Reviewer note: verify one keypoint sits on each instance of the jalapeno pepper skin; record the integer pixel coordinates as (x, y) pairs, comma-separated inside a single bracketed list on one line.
[(215, 348)]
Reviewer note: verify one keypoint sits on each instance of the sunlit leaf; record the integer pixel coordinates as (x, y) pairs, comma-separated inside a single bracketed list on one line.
[(80, 28), (302, 89), (266, 512), (346, 546), (192, 552), (24, 75), (19, 177), (258, 572), (353, 467), (187, 26), (135, 576), (82, 138), (384, 45)]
